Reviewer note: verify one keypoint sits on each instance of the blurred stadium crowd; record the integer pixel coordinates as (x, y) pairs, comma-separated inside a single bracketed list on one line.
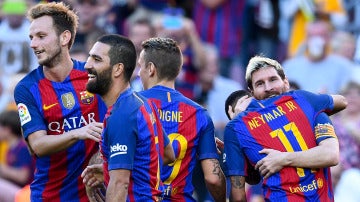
[(316, 41)]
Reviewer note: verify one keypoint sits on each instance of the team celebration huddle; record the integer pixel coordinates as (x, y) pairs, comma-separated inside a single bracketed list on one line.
[(95, 138)]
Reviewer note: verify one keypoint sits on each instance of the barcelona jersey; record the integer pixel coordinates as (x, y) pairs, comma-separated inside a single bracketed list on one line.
[(58, 107), (191, 132), (291, 122), (133, 139)]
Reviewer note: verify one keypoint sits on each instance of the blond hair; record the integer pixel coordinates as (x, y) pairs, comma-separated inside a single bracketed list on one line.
[(260, 62)]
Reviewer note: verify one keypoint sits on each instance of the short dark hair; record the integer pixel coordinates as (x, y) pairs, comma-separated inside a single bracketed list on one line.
[(10, 118), (233, 98), (122, 50), (166, 56)]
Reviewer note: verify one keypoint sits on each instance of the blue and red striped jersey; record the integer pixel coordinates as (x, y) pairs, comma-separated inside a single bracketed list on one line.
[(58, 107), (227, 17), (288, 123), (191, 132), (132, 140)]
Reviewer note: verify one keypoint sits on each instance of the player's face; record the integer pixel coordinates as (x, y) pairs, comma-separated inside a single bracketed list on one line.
[(98, 67), (44, 41), (143, 72), (266, 83)]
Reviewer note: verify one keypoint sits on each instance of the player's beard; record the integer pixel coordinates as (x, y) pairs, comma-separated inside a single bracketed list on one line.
[(101, 84), (53, 58), (284, 89)]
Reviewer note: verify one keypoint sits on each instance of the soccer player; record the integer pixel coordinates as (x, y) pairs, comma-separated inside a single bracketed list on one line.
[(286, 135), (188, 125), (61, 121), (133, 137), (232, 100)]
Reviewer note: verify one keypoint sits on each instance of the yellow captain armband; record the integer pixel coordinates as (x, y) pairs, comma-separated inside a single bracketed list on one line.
[(324, 130)]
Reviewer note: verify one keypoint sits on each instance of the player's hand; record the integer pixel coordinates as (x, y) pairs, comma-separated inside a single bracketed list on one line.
[(270, 164), (93, 175), (96, 194), (240, 106), (91, 131), (219, 145)]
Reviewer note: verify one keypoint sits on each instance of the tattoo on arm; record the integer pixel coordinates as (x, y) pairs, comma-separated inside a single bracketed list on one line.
[(238, 182), (96, 159), (216, 169)]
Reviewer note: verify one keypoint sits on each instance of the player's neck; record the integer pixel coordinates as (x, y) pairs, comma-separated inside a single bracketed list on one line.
[(114, 92), (166, 83), (59, 71)]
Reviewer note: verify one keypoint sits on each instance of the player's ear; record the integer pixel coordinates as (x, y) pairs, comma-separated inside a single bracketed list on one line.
[(65, 37), (287, 84), (151, 69), (251, 91), (118, 69)]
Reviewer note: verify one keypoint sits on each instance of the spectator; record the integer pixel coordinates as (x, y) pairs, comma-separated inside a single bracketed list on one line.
[(183, 31), (139, 31), (210, 16), (89, 11), (213, 89), (306, 11), (305, 69), (19, 167), (343, 44), (16, 55), (347, 126)]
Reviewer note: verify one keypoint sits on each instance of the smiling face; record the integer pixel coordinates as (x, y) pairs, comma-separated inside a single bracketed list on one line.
[(44, 41), (99, 69), (266, 83)]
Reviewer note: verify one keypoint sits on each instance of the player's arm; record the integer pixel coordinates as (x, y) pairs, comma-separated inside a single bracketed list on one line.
[(237, 192), (117, 189), (93, 178), (325, 154), (43, 144), (214, 179), (340, 103), (169, 155), (235, 161), (330, 103)]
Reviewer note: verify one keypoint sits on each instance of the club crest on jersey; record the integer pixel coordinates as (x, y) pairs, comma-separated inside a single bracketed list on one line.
[(68, 100), (23, 113), (86, 97)]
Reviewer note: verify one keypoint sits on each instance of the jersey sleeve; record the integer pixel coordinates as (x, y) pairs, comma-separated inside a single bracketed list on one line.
[(29, 113), (234, 158), (207, 146), (121, 139), (320, 102), (323, 128)]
